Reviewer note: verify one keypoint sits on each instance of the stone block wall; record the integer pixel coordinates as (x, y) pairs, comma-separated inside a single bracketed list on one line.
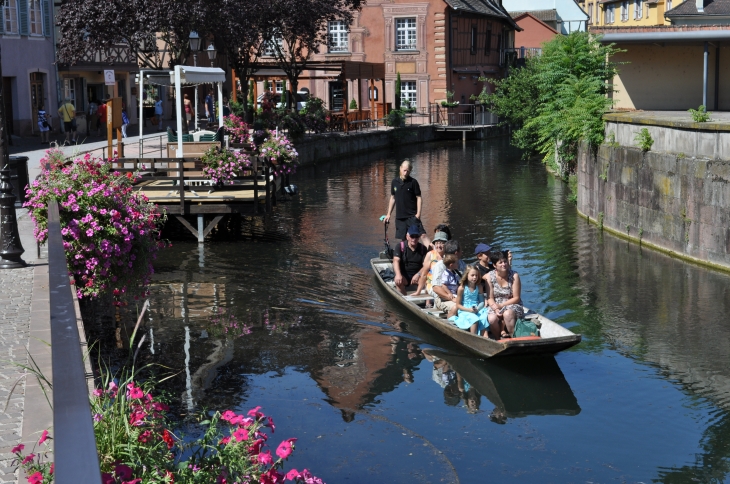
[(676, 203)]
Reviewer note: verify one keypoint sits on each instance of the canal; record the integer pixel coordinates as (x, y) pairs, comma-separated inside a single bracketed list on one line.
[(286, 316)]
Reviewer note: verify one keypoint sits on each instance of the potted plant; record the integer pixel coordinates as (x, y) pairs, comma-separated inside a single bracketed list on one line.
[(222, 165), (449, 103), (281, 152)]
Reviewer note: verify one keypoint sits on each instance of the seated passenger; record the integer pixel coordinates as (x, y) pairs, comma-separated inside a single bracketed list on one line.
[(471, 314), (450, 248), (431, 259), (504, 302), (483, 263), (442, 228), (446, 290), (408, 259)]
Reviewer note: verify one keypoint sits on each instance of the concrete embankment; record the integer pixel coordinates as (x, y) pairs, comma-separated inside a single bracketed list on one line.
[(672, 202)]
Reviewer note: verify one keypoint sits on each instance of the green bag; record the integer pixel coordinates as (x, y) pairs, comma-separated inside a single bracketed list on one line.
[(526, 328)]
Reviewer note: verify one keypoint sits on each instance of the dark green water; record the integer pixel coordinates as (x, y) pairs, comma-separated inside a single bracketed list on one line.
[(374, 396)]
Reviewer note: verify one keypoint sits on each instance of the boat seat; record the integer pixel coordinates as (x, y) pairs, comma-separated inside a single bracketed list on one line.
[(421, 298)]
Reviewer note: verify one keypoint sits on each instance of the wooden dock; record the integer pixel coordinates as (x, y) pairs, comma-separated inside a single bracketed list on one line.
[(179, 186)]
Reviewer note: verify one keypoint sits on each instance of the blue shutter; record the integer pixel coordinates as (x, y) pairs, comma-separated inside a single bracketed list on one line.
[(46, 5), (2, 23), (23, 17)]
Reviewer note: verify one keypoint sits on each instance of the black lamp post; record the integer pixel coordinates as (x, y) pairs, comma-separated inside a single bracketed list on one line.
[(194, 40), (211, 53)]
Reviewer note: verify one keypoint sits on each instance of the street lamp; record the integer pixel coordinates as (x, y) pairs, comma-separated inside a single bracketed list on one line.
[(211, 53), (194, 40)]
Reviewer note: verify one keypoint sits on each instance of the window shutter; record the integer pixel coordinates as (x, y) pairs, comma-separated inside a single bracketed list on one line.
[(2, 24), (47, 16), (23, 17)]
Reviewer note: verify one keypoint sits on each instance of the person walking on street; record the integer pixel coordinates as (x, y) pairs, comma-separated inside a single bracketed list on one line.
[(44, 125), (125, 120), (101, 119), (158, 112), (67, 112), (209, 107), (405, 196)]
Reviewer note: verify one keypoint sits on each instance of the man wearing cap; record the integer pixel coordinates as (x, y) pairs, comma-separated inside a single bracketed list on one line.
[(408, 259), (405, 197)]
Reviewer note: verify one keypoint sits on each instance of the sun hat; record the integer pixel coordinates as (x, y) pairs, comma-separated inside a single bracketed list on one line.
[(440, 236)]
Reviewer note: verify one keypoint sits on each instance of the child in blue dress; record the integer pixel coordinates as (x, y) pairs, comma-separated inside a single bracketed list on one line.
[(471, 314)]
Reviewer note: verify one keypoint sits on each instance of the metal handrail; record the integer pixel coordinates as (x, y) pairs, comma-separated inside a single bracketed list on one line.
[(74, 445)]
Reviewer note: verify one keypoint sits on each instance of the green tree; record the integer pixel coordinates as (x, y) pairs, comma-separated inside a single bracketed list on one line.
[(397, 91), (353, 104), (558, 99)]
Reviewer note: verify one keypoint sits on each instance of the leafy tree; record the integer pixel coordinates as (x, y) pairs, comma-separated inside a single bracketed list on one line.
[(353, 104), (558, 99), (397, 90)]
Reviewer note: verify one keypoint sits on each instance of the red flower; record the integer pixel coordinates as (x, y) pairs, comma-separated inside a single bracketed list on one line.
[(144, 437), (28, 458), (285, 448), (123, 472), (168, 439), (36, 478), (43, 438)]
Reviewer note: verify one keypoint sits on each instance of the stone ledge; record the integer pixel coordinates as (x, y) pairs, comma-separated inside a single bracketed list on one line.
[(649, 120)]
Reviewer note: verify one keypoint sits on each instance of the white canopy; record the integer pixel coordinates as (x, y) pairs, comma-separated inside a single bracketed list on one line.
[(199, 75)]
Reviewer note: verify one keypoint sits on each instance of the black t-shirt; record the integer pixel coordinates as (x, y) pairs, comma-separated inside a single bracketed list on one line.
[(412, 261), (484, 270), (405, 193)]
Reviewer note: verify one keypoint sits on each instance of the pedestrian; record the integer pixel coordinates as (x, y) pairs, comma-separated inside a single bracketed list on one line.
[(93, 124), (125, 120), (44, 125), (188, 105), (68, 113), (209, 107), (101, 119), (158, 112), (226, 107), (405, 196)]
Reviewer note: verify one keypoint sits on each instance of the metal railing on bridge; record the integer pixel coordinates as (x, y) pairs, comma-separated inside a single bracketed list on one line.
[(462, 115)]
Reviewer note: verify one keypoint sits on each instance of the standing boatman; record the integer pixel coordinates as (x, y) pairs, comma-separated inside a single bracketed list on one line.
[(405, 196)]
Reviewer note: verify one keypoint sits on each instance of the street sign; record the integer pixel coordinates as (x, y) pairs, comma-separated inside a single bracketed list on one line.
[(109, 78)]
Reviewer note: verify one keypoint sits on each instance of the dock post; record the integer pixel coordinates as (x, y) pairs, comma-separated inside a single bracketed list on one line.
[(201, 227), (463, 136)]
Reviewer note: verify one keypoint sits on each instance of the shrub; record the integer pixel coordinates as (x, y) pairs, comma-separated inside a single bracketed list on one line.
[(396, 118), (353, 104), (700, 115), (111, 233), (315, 115), (292, 122), (644, 140)]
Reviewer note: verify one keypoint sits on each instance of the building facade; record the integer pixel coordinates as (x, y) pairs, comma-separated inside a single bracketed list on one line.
[(628, 13), (567, 14), (29, 76)]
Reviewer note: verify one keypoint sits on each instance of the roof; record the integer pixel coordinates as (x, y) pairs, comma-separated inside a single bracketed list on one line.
[(689, 8), (491, 8), (528, 14), (550, 15)]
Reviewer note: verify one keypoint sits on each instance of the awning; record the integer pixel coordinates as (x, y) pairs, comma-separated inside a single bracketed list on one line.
[(160, 78), (199, 75), (667, 36)]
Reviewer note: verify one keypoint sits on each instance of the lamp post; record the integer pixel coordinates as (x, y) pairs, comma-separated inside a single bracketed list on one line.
[(211, 53), (194, 40)]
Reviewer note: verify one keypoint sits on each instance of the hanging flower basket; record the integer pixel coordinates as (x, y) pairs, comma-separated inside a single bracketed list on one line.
[(281, 152), (222, 165)]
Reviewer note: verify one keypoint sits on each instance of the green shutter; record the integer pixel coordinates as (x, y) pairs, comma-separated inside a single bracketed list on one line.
[(23, 26), (2, 22), (47, 16)]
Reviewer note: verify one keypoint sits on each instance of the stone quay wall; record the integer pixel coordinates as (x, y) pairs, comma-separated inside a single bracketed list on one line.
[(678, 203)]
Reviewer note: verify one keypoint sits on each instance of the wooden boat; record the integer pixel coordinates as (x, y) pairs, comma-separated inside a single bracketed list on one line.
[(553, 337)]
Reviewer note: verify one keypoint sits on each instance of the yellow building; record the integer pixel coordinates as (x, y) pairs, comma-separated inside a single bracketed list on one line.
[(627, 13)]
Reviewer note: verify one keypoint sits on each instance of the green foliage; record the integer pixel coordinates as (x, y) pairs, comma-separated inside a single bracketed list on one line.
[(681, 156), (353, 104), (267, 86), (600, 220), (700, 115), (604, 174), (251, 99), (450, 103), (611, 140), (644, 140), (237, 108), (315, 115), (396, 118), (397, 91), (573, 186), (558, 99)]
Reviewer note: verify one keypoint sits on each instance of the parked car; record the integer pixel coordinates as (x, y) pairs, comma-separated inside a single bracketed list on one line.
[(301, 96)]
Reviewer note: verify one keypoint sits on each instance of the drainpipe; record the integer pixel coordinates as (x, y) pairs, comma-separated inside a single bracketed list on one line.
[(704, 74)]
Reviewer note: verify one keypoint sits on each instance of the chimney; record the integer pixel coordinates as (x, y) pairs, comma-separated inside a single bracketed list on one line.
[(700, 4)]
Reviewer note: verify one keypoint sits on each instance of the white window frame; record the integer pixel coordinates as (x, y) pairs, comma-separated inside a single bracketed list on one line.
[(10, 17), (267, 49), (409, 94), (338, 38), (590, 13), (669, 5), (625, 10), (638, 9), (610, 13), (370, 93), (35, 18), (69, 89), (278, 87), (406, 37)]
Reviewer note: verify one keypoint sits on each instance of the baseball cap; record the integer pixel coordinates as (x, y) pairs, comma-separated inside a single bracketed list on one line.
[(440, 236), (481, 248), (414, 230)]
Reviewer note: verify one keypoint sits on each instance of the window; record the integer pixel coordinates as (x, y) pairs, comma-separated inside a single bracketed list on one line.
[(69, 90), (10, 16), (473, 44), (590, 13), (338, 41), (36, 17), (638, 9), (408, 94), (279, 86), (268, 50), (405, 34), (488, 42), (373, 94), (625, 10), (669, 5), (609, 14)]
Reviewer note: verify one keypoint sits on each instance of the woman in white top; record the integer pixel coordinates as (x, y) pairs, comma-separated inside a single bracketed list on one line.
[(44, 125)]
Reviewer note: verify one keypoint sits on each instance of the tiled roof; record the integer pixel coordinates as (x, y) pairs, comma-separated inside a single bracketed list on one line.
[(482, 7), (689, 7), (544, 15)]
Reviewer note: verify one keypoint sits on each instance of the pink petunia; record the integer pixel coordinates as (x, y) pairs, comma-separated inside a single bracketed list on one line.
[(43, 438), (265, 458), (228, 415), (254, 412), (28, 458), (293, 475), (240, 435), (36, 478), (285, 448), (18, 448)]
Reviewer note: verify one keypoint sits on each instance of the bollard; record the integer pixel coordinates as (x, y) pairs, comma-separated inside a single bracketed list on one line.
[(10, 246)]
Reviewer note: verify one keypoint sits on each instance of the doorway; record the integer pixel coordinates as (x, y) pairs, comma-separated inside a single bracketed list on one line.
[(37, 99), (337, 96)]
